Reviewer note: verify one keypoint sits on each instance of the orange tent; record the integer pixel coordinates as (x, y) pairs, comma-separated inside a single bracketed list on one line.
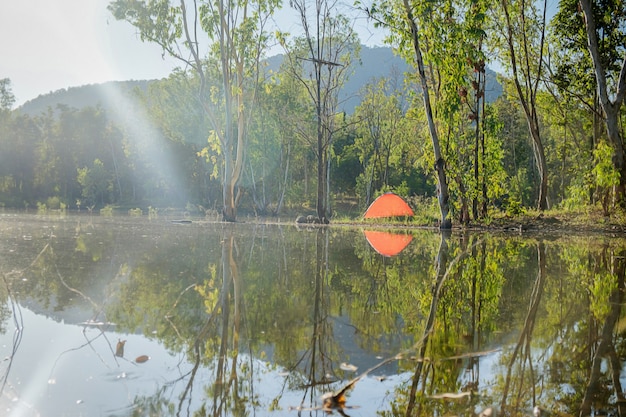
[(387, 244), (388, 205)]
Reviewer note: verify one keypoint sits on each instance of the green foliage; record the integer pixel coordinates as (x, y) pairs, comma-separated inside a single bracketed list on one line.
[(7, 99), (579, 192), (573, 67), (54, 203), (601, 288), (606, 175), (94, 182), (135, 212), (425, 209), (107, 211)]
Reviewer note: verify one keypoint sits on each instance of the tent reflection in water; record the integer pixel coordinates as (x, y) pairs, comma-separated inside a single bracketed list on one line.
[(388, 205), (387, 243)]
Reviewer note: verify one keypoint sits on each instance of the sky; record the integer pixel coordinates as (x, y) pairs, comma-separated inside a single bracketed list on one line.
[(47, 45)]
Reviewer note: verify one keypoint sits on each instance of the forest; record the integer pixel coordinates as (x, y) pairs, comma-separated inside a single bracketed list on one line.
[(229, 134)]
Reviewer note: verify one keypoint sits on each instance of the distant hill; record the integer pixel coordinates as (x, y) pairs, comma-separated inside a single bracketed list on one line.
[(376, 62), (84, 96)]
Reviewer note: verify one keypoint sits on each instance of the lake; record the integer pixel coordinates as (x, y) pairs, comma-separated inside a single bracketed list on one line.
[(151, 316)]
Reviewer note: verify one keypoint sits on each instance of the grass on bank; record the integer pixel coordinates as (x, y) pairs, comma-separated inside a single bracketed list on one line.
[(347, 211)]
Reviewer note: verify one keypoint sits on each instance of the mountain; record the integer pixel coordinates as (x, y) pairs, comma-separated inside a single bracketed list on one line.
[(92, 95), (374, 63)]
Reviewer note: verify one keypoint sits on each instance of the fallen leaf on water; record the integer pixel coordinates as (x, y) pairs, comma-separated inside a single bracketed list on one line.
[(119, 348), (142, 359), (347, 367), (452, 395)]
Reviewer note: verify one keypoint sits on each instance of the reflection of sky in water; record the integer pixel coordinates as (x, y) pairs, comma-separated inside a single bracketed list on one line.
[(67, 369), (62, 369)]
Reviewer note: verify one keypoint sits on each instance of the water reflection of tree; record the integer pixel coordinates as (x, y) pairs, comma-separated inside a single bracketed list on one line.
[(522, 351), (219, 337), (605, 347), (317, 359), (383, 297), (437, 372), (462, 304), (441, 263)]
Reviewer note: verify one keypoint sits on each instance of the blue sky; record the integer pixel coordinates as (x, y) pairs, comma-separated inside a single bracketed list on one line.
[(52, 44)]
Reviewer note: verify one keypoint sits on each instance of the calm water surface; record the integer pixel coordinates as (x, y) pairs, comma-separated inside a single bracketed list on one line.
[(138, 316)]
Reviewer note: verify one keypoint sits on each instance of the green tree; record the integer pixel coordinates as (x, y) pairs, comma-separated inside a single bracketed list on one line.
[(8, 154), (413, 20), (606, 37), (517, 158), (19, 138), (442, 41), (321, 59), (389, 157), (183, 126), (235, 31), (520, 40), (95, 183), (7, 98), (277, 166), (379, 132)]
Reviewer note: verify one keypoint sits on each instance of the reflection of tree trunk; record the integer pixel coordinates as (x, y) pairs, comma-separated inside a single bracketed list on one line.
[(442, 260), (221, 311), (224, 382), (318, 328), (606, 346), (220, 379), (523, 344), (476, 308), (317, 366)]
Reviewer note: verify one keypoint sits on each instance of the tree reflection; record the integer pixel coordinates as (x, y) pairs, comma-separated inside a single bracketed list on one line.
[(222, 328), (459, 322), (441, 274), (317, 359), (605, 347), (523, 349)]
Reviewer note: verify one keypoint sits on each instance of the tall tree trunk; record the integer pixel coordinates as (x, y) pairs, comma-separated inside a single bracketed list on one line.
[(528, 94), (482, 143), (440, 165), (542, 165), (321, 164), (229, 210), (611, 108), (476, 161)]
